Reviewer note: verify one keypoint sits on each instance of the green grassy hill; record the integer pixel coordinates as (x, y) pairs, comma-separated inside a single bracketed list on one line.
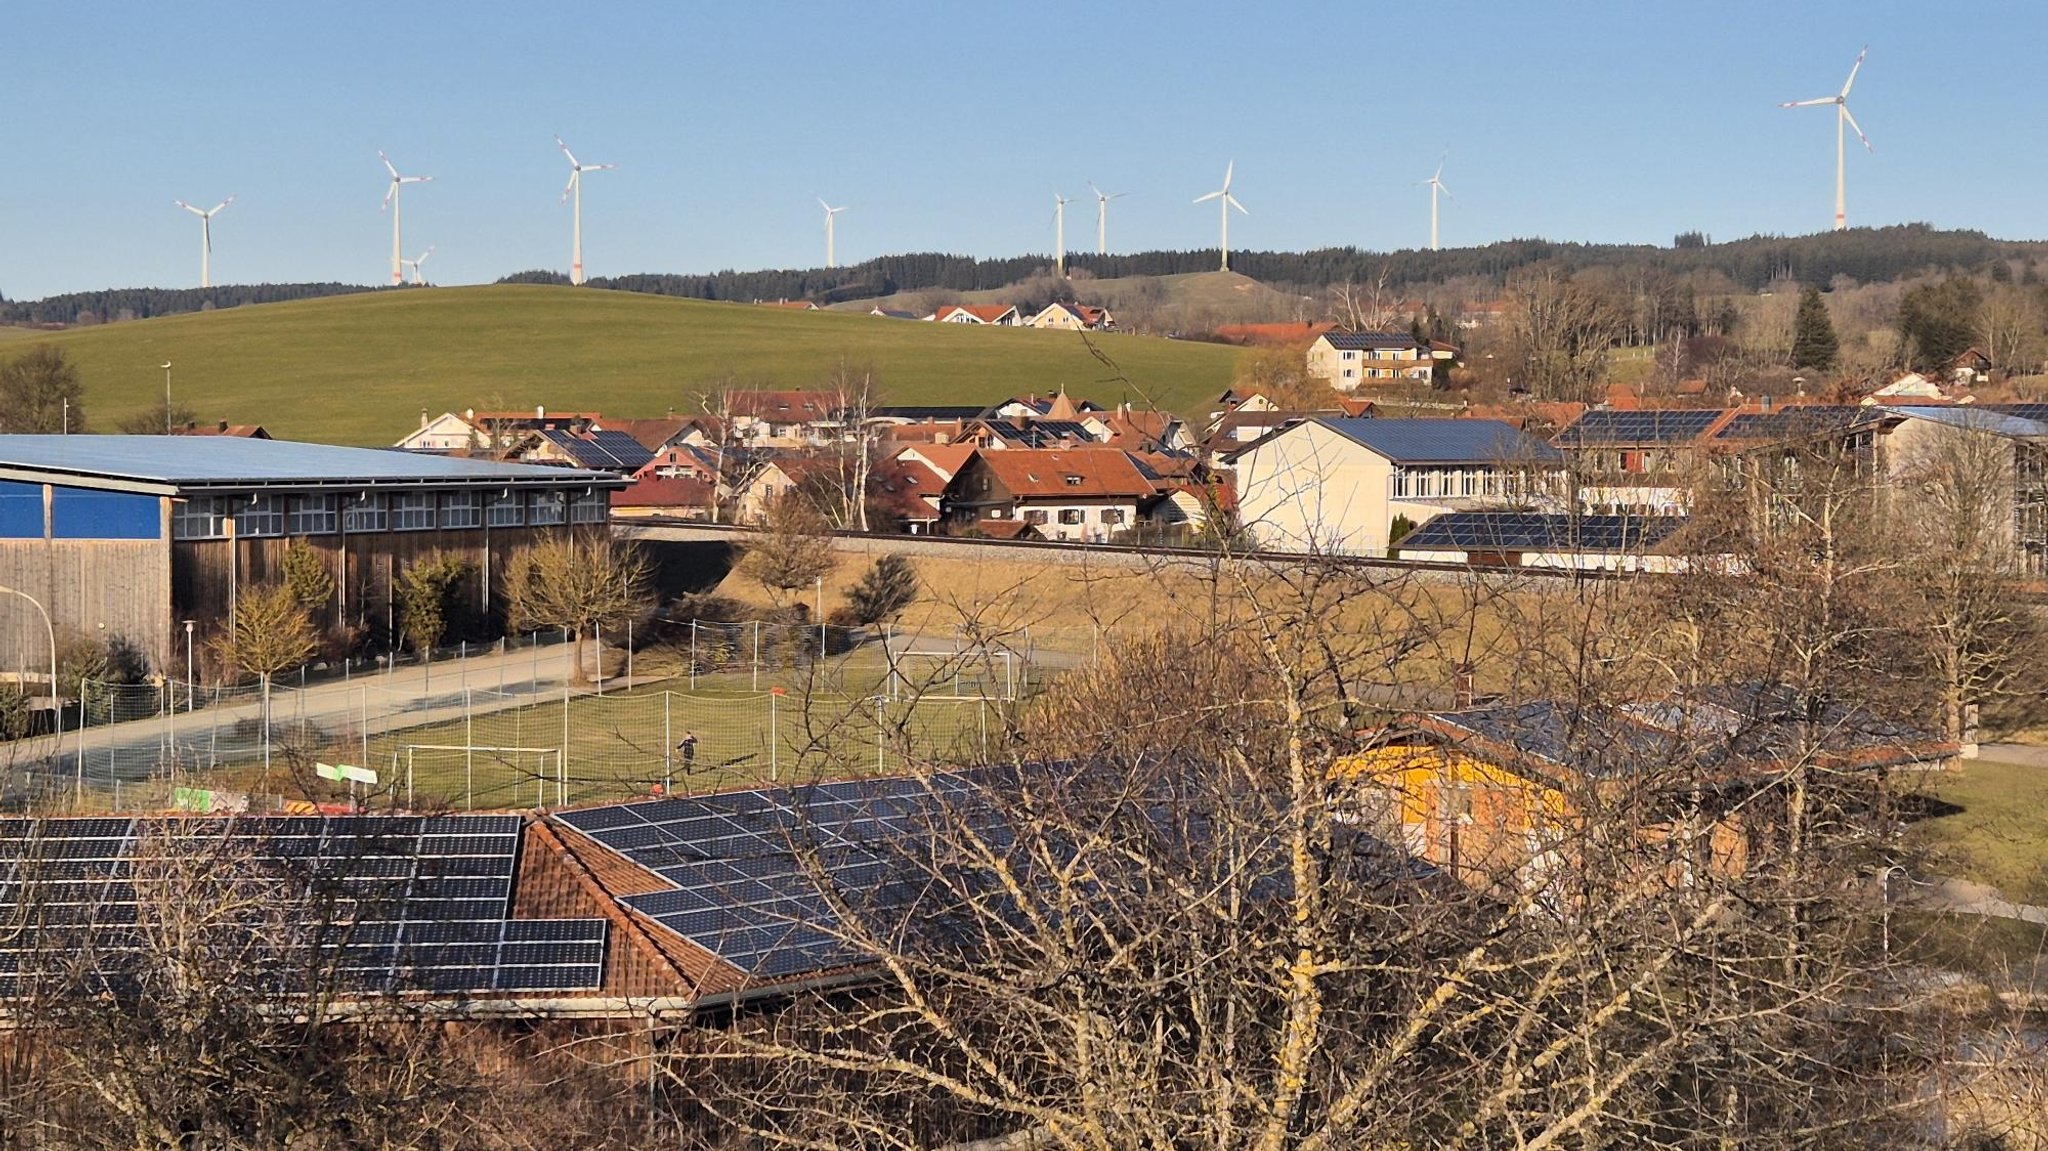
[(358, 369)]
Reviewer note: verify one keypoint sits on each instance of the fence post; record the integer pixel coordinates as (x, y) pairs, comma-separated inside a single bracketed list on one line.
[(880, 722), (629, 653), (693, 655), (597, 650), (562, 760), (774, 766), (757, 655), (668, 743), (468, 746), (364, 733)]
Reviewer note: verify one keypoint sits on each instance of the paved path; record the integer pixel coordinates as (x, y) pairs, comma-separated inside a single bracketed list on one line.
[(2024, 754)]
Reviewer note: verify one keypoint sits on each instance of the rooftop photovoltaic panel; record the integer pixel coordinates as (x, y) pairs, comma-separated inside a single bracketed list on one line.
[(1637, 427), (2025, 411), (391, 903), (1799, 422), (749, 871), (1533, 531)]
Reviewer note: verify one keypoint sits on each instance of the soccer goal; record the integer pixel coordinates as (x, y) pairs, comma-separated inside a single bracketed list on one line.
[(972, 673), (480, 775)]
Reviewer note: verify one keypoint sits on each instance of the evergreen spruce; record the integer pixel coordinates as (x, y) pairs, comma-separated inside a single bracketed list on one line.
[(1813, 334)]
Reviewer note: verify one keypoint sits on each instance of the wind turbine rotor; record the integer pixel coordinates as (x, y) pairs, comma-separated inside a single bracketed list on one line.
[(1846, 115)]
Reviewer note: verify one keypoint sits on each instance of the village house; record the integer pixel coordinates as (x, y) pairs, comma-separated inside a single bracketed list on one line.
[(999, 315), (665, 497), (784, 419), (1336, 485), (1348, 360), (488, 433), (592, 448), (1083, 494), (1072, 318), (1644, 461)]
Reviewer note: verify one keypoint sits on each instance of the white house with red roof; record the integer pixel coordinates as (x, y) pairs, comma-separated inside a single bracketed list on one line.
[(999, 315)]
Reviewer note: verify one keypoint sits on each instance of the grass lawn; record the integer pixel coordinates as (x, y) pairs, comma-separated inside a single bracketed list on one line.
[(358, 369), (2000, 835)]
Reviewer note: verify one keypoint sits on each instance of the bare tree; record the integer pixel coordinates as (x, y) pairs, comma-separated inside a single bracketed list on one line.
[(854, 395), (269, 633), (1565, 331), (577, 582), (793, 548)]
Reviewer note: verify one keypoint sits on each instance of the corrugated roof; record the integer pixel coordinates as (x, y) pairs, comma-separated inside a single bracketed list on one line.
[(1976, 420), (1535, 531), (184, 462), (1443, 441)]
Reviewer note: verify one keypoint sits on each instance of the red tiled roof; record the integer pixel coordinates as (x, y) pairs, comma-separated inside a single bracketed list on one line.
[(1087, 473), (907, 488), (945, 459), (1002, 529), (986, 313), (1270, 335), (782, 405), (664, 492)]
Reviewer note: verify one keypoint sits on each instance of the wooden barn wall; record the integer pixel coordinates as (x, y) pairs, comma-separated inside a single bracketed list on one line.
[(205, 572), (124, 585)]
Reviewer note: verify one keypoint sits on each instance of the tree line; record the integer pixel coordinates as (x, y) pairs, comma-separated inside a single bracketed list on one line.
[(114, 304)]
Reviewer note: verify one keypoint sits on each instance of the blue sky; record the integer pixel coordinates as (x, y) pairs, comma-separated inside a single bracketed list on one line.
[(949, 127)]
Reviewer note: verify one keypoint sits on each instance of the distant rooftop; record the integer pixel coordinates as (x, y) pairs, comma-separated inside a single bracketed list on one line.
[(1603, 427), (1444, 441), (172, 464), (1540, 532)]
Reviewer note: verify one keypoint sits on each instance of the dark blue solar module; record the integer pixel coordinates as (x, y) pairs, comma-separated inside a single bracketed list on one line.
[(755, 874), (2025, 411), (1801, 421), (1532, 531), (404, 903), (1604, 428)]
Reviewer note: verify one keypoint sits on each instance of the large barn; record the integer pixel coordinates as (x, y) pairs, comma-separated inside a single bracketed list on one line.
[(130, 536)]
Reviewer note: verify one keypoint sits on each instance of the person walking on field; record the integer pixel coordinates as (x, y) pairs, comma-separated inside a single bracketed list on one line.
[(688, 746)]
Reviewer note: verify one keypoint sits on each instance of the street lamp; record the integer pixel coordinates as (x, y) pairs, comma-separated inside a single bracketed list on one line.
[(167, 397), (188, 667), (56, 708)]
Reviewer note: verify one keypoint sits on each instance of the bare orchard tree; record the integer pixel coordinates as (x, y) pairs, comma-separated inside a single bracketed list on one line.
[(855, 393), (1172, 918), (792, 550), (578, 582), (1564, 330), (736, 465)]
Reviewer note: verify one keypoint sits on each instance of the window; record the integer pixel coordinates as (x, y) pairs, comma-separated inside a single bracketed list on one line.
[(1035, 516), (260, 516), (507, 510), (548, 508), (312, 515), (199, 518), (412, 512), (1070, 515), (997, 514), (365, 513), (462, 510), (1073, 481), (1112, 515), (1468, 483), (588, 508)]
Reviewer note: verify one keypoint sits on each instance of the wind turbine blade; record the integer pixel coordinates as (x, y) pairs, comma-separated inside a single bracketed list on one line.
[(222, 204), (390, 190), (206, 231), (1205, 199), (599, 167), (188, 207), (1867, 145), (1117, 195), (1808, 103), (1440, 167), (1445, 189), (1232, 201), (1853, 68), (566, 151), (571, 185), (1096, 190), (1227, 170)]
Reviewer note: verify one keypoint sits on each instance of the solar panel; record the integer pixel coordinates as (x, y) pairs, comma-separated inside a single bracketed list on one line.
[(408, 902), (1531, 531), (1628, 428)]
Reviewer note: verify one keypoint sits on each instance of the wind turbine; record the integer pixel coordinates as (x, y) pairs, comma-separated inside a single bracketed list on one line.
[(1227, 202), (830, 212), (391, 205), (1102, 217), (1059, 232), (419, 277), (1843, 121), (205, 237), (575, 186), (1436, 184)]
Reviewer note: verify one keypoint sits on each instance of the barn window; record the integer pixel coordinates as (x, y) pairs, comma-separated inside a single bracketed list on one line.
[(412, 511), (549, 508), (366, 513), (260, 516), (507, 510), (199, 518), (588, 508), (462, 510), (312, 516)]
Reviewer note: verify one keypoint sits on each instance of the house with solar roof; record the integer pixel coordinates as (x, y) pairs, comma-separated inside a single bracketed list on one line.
[(1549, 540), (1642, 462), (1337, 485), (129, 536)]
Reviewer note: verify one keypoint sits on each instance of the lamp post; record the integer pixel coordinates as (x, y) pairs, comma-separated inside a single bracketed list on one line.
[(56, 708), (167, 397), (188, 667)]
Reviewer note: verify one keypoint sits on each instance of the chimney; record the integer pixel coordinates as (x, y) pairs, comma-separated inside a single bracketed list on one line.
[(671, 411), (1764, 403), (223, 425), (1462, 693), (423, 417), (469, 414), (540, 411)]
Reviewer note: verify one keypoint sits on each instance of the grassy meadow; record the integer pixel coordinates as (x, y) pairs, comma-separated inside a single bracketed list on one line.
[(358, 369)]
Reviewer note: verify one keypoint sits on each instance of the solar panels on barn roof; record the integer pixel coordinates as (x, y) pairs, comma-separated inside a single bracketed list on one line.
[(187, 463), (387, 903), (1801, 421), (1603, 427), (1539, 532), (1444, 441)]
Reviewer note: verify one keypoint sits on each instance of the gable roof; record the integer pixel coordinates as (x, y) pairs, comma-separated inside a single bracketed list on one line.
[(944, 459), (1443, 441), (602, 450), (1975, 419), (1081, 473), (664, 492), (1370, 341), (985, 313), (782, 405), (651, 434), (1604, 427)]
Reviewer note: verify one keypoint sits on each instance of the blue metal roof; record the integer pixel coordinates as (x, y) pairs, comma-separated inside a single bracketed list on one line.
[(1439, 441), (1976, 419), (202, 462)]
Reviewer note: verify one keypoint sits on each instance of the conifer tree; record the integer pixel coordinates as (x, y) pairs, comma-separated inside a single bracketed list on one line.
[(1813, 334)]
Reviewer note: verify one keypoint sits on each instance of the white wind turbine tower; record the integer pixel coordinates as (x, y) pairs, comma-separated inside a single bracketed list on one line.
[(1059, 233), (575, 187), (1843, 121), (830, 254), (419, 277), (1102, 217), (1226, 203), (1436, 184), (391, 205), (205, 237)]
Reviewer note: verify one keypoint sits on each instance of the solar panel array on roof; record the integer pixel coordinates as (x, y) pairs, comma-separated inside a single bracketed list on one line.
[(1444, 441), (1602, 427), (1364, 341), (402, 903), (607, 450), (750, 870), (1974, 418), (1540, 532), (2025, 411), (1799, 422), (202, 461)]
